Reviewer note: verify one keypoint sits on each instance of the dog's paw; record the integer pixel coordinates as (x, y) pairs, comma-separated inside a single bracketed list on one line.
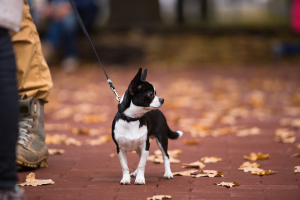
[(140, 181), (133, 174), (125, 181), (168, 176)]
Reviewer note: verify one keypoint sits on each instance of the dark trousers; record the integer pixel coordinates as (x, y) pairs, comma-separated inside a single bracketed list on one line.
[(9, 112)]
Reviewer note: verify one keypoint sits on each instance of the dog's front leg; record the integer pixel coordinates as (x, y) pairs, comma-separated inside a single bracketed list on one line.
[(140, 176), (123, 160)]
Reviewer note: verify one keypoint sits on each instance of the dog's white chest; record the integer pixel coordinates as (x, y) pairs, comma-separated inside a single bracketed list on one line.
[(129, 135)]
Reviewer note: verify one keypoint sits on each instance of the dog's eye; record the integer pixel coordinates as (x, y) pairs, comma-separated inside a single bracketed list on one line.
[(150, 94)]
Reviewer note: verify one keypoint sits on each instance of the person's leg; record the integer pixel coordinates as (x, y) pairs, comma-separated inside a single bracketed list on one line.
[(33, 74), (9, 110), (34, 84)]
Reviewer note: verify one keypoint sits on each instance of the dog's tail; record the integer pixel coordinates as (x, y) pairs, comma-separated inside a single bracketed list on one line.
[(174, 135)]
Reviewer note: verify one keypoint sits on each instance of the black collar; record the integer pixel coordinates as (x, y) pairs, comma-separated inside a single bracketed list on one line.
[(129, 119)]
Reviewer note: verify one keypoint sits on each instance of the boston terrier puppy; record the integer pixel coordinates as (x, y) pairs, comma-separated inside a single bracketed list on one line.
[(137, 120)]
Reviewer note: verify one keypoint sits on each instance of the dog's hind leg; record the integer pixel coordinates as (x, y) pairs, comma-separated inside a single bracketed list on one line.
[(133, 174), (164, 150), (140, 176), (123, 160)]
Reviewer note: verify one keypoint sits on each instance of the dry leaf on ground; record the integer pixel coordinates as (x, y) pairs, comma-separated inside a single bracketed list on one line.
[(298, 145), (246, 132), (297, 169), (227, 184), (56, 151), (63, 113), (73, 141), (285, 136), (55, 139), (191, 142), (250, 167), (296, 155), (100, 140), (259, 156), (80, 131), (228, 120), (248, 164), (212, 159), (185, 173), (159, 197), (112, 155), (196, 164), (208, 173), (263, 172), (224, 131), (31, 181)]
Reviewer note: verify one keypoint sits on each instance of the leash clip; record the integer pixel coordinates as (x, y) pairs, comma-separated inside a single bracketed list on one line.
[(113, 89)]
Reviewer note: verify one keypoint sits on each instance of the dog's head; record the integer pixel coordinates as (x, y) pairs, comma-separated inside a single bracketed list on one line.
[(140, 97)]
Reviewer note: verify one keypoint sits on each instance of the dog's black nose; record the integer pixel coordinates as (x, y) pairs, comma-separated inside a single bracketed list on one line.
[(161, 100)]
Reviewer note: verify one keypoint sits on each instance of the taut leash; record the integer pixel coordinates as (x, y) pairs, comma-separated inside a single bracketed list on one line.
[(90, 41)]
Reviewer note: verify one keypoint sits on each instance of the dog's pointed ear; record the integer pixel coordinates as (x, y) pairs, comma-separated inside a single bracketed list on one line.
[(135, 83), (125, 102), (144, 75)]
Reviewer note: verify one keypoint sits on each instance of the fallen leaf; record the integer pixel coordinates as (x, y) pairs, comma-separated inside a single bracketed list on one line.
[(296, 155), (246, 132), (80, 131), (263, 172), (100, 140), (56, 151), (251, 169), (224, 131), (159, 197), (211, 159), (31, 181), (191, 142), (257, 98), (73, 141), (227, 184), (208, 173), (184, 173), (55, 139), (249, 165), (297, 169), (298, 145), (158, 159), (285, 136), (112, 155), (196, 164), (258, 156)]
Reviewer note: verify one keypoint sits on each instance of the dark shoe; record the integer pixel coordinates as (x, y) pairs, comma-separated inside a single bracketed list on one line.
[(13, 194), (31, 149)]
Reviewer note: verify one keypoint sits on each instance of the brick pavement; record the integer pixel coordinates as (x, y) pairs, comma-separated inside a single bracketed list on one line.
[(88, 172)]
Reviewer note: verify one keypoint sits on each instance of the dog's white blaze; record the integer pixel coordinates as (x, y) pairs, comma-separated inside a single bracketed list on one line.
[(130, 136), (155, 102)]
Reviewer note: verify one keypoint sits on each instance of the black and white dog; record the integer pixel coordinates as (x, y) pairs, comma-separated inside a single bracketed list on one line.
[(137, 119)]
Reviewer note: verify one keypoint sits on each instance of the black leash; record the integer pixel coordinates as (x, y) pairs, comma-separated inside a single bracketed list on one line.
[(90, 41)]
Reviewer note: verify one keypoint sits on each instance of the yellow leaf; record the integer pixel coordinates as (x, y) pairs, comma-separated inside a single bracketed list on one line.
[(184, 173), (159, 197), (191, 142), (56, 151), (208, 173), (227, 184), (211, 159), (263, 172), (31, 181), (297, 169), (100, 140), (258, 156)]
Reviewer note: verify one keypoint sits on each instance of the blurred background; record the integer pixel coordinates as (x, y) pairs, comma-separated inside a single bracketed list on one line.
[(170, 33)]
